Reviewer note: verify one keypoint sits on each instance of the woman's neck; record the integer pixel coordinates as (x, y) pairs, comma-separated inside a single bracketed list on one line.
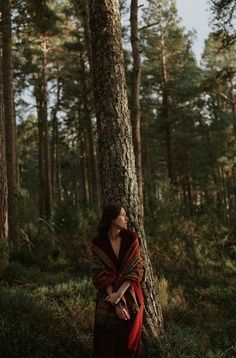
[(113, 233)]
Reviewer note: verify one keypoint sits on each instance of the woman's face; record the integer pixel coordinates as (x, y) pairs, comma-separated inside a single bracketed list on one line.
[(121, 220)]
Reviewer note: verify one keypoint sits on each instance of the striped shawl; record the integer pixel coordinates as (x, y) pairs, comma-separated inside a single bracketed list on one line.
[(105, 273)]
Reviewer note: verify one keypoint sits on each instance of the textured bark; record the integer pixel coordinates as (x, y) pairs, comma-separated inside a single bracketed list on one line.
[(116, 155), (10, 125), (233, 107), (135, 95), (3, 170)]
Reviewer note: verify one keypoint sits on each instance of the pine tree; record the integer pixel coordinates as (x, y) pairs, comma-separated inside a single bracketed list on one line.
[(10, 125), (3, 169), (170, 92), (218, 84), (117, 162), (223, 18)]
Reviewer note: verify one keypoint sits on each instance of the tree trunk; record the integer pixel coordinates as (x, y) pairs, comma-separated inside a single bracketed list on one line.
[(146, 165), (41, 161), (46, 203), (135, 95), (233, 107), (92, 143), (87, 124), (215, 172), (83, 159), (3, 170), (116, 155), (48, 183), (165, 108), (55, 159), (10, 125)]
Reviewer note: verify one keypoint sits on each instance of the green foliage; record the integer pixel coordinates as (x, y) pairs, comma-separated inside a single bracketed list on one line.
[(181, 342), (73, 299), (17, 273), (199, 319), (69, 218), (75, 229), (48, 321), (194, 258), (37, 246), (171, 235), (217, 302), (190, 248)]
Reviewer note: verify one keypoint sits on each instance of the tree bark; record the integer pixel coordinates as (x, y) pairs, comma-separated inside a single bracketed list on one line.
[(55, 157), (135, 95), (116, 155), (10, 125), (3, 170), (46, 201), (92, 143), (85, 196)]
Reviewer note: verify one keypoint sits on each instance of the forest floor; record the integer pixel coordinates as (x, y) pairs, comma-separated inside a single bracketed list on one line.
[(47, 303)]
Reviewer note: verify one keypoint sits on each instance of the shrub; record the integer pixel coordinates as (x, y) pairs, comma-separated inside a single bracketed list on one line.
[(32, 329), (47, 321)]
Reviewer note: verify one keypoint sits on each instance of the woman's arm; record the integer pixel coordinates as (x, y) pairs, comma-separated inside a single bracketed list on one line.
[(125, 285), (115, 297)]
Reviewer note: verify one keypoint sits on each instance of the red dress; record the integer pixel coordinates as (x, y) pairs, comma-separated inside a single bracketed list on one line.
[(125, 343)]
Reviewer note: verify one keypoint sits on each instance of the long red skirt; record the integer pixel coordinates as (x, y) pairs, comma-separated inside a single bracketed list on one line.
[(123, 344)]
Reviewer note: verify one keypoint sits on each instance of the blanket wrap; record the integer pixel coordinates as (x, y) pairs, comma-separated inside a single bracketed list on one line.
[(105, 273)]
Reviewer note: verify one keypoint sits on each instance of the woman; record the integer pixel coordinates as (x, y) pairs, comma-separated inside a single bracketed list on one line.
[(117, 273)]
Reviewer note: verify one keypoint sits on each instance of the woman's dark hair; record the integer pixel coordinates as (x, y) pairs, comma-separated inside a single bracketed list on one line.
[(110, 212)]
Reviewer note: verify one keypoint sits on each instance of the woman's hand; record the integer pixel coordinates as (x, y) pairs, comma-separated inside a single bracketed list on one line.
[(122, 312), (113, 298)]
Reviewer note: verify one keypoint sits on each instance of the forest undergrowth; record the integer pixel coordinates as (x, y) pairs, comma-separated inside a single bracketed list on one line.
[(47, 299)]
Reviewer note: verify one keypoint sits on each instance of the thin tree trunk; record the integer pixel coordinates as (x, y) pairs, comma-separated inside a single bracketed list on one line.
[(87, 124), (48, 183), (87, 32), (45, 197), (149, 183), (3, 170), (83, 159), (165, 108), (76, 191), (116, 155), (55, 159), (165, 112), (92, 142), (187, 183), (135, 95), (42, 209), (215, 172), (10, 125)]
